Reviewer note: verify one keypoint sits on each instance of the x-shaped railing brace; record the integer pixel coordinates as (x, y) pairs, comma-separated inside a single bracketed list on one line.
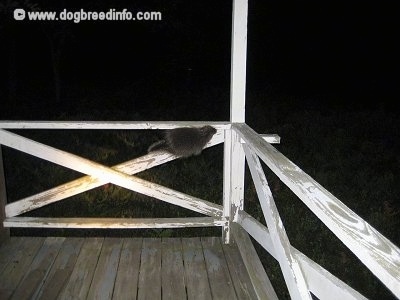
[(100, 175)]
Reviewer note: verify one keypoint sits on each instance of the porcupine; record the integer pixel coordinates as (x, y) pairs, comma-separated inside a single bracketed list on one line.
[(184, 141)]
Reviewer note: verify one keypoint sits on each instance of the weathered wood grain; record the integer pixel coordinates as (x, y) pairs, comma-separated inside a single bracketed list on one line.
[(113, 223), (86, 183), (36, 274), (16, 268), (271, 138), (88, 268), (8, 250), (290, 267), (240, 278), (217, 270), (321, 283), (107, 174), (61, 269), (79, 282), (261, 283), (106, 270), (379, 254), (226, 186), (149, 286), (197, 284), (126, 282), (258, 231), (233, 182), (173, 281)]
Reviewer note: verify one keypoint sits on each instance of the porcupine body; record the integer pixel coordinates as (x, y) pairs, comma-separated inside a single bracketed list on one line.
[(184, 141)]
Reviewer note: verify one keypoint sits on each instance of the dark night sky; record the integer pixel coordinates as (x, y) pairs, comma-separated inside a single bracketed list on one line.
[(302, 48), (340, 46), (329, 54)]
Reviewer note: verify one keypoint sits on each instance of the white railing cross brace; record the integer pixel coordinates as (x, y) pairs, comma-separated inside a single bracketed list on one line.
[(379, 254), (87, 183), (291, 269), (107, 174)]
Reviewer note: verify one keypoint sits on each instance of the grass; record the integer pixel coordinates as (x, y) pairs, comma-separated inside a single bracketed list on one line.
[(353, 154), (111, 147)]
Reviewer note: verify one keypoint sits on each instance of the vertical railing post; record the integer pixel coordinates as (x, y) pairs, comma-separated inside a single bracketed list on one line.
[(4, 232), (237, 176), (238, 61), (233, 150), (234, 164)]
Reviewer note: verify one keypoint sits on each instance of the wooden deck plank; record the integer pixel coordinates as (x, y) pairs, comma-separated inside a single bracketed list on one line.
[(240, 278), (129, 268), (262, 284), (149, 286), (61, 269), (8, 251), (173, 283), (78, 284), (15, 269), (217, 269), (36, 274), (126, 282), (197, 284), (106, 270)]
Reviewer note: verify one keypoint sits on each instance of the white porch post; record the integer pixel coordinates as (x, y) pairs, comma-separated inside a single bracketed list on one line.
[(4, 232), (238, 61), (234, 157)]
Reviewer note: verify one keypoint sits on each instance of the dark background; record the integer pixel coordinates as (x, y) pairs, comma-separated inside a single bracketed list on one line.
[(347, 52), (321, 74)]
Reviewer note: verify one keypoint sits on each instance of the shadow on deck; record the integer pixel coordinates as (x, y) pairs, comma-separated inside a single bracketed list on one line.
[(122, 268)]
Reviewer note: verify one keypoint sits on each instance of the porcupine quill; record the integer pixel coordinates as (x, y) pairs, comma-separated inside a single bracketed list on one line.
[(184, 141)]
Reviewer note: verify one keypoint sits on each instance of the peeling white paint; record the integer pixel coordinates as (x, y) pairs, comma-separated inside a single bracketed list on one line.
[(361, 238)]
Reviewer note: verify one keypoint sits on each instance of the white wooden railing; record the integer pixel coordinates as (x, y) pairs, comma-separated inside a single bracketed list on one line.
[(97, 175), (302, 275)]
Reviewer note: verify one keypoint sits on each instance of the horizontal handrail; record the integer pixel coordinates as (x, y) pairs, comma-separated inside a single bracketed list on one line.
[(378, 253), (107, 124)]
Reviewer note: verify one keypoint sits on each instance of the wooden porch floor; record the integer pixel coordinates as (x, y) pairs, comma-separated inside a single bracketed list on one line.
[(122, 268)]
